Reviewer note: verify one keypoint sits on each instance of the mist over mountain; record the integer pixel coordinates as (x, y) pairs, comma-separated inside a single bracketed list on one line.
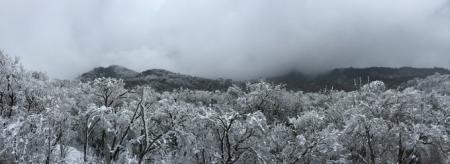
[(347, 79), (225, 38), (225, 81)]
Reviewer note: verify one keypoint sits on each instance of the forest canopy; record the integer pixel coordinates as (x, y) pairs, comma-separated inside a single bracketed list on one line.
[(45, 120)]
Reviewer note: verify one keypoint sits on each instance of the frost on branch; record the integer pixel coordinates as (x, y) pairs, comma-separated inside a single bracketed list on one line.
[(62, 121)]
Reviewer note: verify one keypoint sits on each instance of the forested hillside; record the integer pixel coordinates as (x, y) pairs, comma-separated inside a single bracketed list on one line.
[(159, 79), (100, 121), (347, 79)]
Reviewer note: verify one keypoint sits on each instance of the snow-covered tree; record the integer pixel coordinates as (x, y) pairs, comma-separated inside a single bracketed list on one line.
[(109, 91), (62, 121)]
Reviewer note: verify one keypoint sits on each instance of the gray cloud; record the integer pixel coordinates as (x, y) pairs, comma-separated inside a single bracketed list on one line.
[(225, 38)]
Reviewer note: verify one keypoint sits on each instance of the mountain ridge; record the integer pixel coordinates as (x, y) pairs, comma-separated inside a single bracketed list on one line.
[(349, 79), (159, 79), (346, 79)]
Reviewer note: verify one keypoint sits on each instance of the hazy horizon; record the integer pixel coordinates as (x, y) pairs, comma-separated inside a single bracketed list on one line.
[(225, 38)]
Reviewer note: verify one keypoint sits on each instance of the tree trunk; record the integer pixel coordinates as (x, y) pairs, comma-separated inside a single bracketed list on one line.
[(203, 156), (400, 150), (61, 151), (49, 148), (86, 136), (141, 158), (371, 151)]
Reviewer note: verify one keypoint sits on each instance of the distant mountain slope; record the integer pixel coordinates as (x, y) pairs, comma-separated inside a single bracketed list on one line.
[(346, 78), (113, 71), (163, 80), (160, 80), (340, 79)]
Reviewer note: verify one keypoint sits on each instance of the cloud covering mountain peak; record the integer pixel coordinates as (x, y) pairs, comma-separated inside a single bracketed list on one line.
[(225, 38)]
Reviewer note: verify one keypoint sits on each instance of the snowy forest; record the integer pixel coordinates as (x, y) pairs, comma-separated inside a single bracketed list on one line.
[(46, 120)]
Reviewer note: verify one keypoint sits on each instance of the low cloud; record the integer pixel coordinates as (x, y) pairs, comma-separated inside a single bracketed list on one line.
[(225, 38)]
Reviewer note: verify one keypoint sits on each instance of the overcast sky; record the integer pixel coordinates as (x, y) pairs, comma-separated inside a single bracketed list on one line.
[(224, 38)]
